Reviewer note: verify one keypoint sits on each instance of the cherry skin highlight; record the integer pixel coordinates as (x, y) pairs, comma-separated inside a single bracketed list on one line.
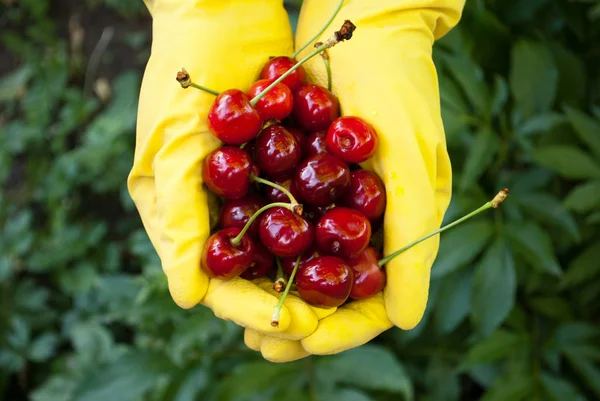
[(284, 233), (366, 194), (226, 172), (262, 263), (369, 278), (299, 136), (315, 143), (277, 66), (352, 139), (343, 232), (276, 104), (221, 259), (237, 212), (315, 108), (276, 151), (325, 282), (232, 118), (322, 179)]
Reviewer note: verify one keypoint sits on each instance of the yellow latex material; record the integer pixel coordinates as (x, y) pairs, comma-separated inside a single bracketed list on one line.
[(223, 45), (386, 75)]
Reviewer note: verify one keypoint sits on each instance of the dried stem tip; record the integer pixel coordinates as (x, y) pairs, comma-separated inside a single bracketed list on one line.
[(184, 78), (499, 198), (345, 33), (279, 285)]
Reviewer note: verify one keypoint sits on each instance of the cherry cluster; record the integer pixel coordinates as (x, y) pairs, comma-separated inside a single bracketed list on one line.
[(294, 190)]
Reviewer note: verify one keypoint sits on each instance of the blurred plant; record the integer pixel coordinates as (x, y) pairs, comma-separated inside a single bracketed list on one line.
[(85, 312)]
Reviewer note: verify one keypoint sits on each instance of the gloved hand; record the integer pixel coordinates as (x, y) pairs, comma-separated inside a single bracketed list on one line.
[(223, 45), (385, 75)]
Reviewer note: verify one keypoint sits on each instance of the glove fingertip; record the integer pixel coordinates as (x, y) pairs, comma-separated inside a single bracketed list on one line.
[(187, 292), (252, 339), (278, 350)]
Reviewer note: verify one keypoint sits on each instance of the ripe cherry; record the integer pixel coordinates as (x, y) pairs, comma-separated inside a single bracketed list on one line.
[(237, 212), (224, 260), (232, 118), (226, 172), (315, 108), (315, 143), (276, 151), (325, 281), (275, 195), (365, 194), (262, 263), (287, 264), (276, 104), (314, 213), (369, 278), (299, 136), (343, 232), (284, 233), (352, 139), (322, 179), (277, 66)]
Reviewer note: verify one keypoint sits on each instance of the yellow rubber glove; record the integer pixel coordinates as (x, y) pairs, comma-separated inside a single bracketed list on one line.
[(223, 45), (385, 74)]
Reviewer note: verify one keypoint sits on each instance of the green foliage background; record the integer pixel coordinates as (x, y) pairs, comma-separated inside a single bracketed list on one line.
[(515, 298)]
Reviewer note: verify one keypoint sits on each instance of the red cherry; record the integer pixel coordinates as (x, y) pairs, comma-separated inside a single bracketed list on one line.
[(276, 104), (315, 143), (232, 118), (369, 278), (299, 136), (226, 172), (284, 233), (314, 213), (287, 264), (276, 151), (275, 195), (325, 281), (315, 108), (343, 232), (237, 212), (365, 194), (262, 263), (321, 179), (221, 259), (352, 139), (277, 66)]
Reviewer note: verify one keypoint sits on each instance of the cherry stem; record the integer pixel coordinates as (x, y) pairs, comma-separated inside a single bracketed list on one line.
[(280, 281), (345, 33), (328, 69), (238, 238), (184, 79), (304, 46), (493, 203), (276, 186), (277, 311)]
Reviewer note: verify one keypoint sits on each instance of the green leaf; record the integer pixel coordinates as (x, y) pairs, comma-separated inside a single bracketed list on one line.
[(496, 346), (552, 307), (197, 380), (572, 333), (481, 155), (584, 267), (513, 386), (547, 209), (56, 388), (454, 301), (471, 79), (345, 394), (500, 95), (43, 347), (541, 123), (587, 128), (572, 75), (460, 246), (568, 161), (442, 380), (588, 371), (13, 84), (494, 288), (584, 197), (559, 389), (534, 245), (533, 77), (370, 367), (125, 379)]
